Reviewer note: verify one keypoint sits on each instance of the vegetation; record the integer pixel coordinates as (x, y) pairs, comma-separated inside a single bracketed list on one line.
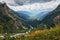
[(10, 25), (47, 34), (9, 22)]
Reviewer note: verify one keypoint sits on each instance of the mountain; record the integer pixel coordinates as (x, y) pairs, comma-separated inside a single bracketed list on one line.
[(43, 13), (52, 18), (45, 18), (9, 21), (23, 14)]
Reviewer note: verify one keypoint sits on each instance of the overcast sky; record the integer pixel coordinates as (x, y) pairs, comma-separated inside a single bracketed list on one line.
[(24, 1)]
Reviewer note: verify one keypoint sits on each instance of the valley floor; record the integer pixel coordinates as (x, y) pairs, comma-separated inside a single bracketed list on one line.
[(47, 34)]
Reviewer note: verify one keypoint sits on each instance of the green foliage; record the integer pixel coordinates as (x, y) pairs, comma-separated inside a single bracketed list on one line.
[(7, 25), (52, 34), (48, 34)]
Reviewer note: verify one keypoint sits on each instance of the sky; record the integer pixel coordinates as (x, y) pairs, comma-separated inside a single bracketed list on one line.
[(25, 1), (7, 1), (52, 4), (35, 8), (40, 6)]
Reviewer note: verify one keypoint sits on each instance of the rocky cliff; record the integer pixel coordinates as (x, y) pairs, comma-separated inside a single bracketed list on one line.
[(8, 20)]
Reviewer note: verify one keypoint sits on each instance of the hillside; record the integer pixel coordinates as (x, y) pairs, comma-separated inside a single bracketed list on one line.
[(9, 22), (48, 20), (12, 20), (52, 18)]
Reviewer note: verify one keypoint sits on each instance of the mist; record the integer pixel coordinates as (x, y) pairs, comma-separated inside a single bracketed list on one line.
[(22, 2), (41, 7)]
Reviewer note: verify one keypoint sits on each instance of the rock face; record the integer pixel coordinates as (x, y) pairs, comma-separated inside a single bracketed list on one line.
[(53, 18), (8, 19)]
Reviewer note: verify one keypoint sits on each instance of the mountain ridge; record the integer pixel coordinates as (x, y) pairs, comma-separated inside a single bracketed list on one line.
[(8, 20), (52, 18)]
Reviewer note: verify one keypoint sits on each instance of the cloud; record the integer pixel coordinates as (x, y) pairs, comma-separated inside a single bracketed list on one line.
[(36, 6), (32, 1), (7, 1), (21, 2)]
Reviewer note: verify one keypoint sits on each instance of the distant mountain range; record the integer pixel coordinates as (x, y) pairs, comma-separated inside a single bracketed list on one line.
[(42, 17), (47, 19), (23, 14), (12, 20)]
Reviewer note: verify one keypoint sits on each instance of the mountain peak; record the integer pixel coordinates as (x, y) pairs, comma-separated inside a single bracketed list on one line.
[(58, 7), (8, 18)]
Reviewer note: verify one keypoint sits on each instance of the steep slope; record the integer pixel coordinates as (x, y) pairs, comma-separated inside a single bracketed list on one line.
[(52, 18), (23, 14), (9, 21)]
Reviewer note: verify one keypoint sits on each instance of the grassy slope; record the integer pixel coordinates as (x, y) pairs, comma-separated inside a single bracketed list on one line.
[(47, 34)]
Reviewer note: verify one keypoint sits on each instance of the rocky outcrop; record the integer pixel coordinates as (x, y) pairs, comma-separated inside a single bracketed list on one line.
[(6, 13)]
